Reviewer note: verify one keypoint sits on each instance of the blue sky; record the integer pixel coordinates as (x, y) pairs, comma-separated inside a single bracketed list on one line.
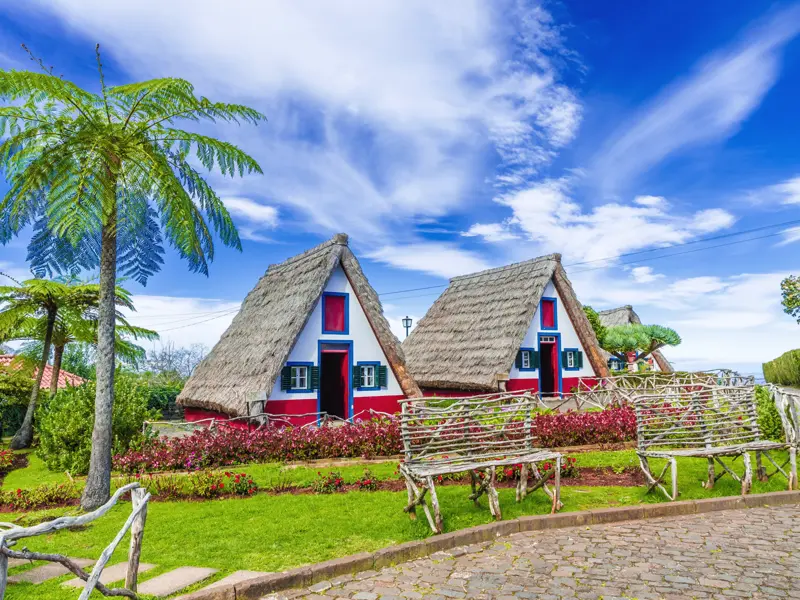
[(447, 137)]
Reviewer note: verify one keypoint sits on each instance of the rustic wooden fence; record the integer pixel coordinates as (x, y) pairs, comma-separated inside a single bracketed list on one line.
[(10, 534)]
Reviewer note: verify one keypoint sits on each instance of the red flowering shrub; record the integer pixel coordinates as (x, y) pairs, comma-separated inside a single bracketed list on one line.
[(40, 496), (327, 483), (228, 446), (206, 484), (367, 482), (573, 428), (6, 460)]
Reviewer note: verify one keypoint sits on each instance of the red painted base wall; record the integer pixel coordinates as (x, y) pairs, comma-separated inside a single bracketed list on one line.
[(383, 404)]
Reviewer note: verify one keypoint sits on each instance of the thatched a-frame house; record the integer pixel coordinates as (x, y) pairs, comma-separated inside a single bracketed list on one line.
[(514, 327), (311, 337), (625, 315)]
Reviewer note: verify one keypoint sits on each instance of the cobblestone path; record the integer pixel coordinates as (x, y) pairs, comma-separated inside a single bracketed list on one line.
[(751, 553)]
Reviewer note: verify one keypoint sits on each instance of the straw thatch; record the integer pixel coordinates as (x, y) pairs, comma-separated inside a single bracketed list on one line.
[(625, 315), (250, 354), (469, 338)]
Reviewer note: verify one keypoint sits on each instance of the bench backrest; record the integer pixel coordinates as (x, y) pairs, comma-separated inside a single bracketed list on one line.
[(696, 416), (787, 402), (485, 427)]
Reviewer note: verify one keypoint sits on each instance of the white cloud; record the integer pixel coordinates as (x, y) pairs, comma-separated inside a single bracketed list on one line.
[(707, 106), (734, 322), (440, 259), (790, 236), (652, 201), (490, 232), (548, 215), (712, 219), (254, 212), (380, 112), (645, 275), (184, 321), (786, 192)]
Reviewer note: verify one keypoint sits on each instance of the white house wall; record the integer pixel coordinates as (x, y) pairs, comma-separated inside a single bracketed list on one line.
[(365, 344), (569, 339)]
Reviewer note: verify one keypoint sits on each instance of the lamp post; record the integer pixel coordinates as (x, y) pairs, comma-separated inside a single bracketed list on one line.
[(407, 324)]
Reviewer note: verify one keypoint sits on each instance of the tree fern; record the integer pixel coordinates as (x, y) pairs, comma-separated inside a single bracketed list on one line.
[(112, 167)]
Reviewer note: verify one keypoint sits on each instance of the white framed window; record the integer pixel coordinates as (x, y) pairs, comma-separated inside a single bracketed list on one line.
[(570, 360), (299, 380), (547, 339), (526, 359), (368, 376)]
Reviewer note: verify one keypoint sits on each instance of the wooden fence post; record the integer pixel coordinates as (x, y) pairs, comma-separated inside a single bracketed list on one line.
[(3, 571), (137, 533)]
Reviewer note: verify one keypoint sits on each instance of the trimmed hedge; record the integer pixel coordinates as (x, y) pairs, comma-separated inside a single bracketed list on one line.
[(784, 370)]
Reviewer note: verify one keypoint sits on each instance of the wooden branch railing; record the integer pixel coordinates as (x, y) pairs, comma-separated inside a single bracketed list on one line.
[(10, 534)]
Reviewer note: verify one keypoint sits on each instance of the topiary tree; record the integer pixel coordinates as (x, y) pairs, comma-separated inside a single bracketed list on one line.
[(630, 343), (101, 175), (596, 323), (790, 290)]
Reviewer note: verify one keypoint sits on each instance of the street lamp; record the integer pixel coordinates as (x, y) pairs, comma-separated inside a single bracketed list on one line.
[(407, 324)]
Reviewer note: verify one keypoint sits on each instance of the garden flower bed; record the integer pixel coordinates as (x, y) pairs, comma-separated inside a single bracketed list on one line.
[(227, 446)]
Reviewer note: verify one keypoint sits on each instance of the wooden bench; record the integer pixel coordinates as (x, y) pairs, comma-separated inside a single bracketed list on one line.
[(787, 402), (444, 436), (701, 420)]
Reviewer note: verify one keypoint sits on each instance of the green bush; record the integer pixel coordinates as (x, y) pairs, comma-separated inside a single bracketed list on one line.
[(769, 421), (65, 423), (16, 383), (784, 370)]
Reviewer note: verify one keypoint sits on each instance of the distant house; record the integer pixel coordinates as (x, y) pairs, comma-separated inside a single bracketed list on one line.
[(311, 337), (64, 378), (625, 315), (515, 328)]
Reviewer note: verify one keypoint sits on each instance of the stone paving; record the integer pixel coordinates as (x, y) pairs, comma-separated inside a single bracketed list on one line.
[(751, 553)]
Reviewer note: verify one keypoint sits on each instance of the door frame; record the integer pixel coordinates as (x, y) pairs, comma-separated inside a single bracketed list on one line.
[(556, 335), (348, 344)]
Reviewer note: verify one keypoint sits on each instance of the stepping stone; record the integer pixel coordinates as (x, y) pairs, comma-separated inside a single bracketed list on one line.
[(110, 574), (174, 581), (49, 571), (17, 562), (235, 577)]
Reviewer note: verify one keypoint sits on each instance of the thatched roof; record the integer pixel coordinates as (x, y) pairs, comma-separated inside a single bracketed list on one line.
[(625, 315), (249, 356), (472, 333)]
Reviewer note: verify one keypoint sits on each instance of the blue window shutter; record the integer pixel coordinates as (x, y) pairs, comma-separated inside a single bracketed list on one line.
[(579, 360), (313, 376), (518, 360), (357, 377), (534, 359), (286, 378), (383, 376)]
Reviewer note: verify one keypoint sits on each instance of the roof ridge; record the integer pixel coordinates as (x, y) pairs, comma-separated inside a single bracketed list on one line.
[(554, 256), (340, 239)]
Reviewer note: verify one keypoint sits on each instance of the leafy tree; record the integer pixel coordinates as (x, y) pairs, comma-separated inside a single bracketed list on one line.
[(98, 172), (79, 324), (65, 423), (596, 323), (37, 299), (790, 290), (630, 343), (79, 359), (175, 362)]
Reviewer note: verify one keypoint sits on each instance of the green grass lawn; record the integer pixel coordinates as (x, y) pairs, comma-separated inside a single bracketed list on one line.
[(272, 533)]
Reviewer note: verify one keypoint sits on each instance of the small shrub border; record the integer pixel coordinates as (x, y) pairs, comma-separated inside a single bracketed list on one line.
[(227, 446)]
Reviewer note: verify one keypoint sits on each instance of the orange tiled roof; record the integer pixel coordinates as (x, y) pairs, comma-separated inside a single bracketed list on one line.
[(64, 377)]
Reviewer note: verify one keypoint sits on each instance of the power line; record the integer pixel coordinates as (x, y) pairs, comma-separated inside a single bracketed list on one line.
[(200, 322), (635, 253), (633, 262)]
